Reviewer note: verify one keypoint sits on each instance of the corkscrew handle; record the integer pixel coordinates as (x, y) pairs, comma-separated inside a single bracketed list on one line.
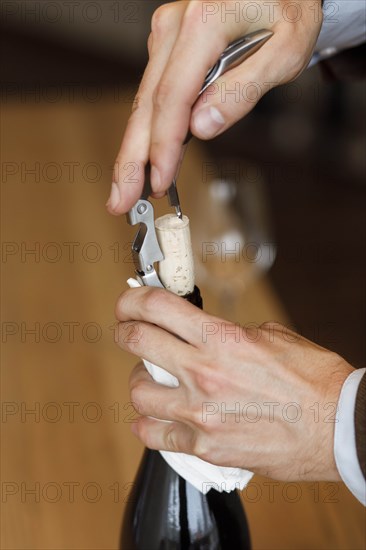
[(232, 56)]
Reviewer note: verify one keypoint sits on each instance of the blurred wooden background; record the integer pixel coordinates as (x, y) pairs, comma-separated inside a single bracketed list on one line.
[(67, 468)]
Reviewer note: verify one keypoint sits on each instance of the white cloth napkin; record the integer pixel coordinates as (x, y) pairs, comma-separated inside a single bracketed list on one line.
[(199, 473)]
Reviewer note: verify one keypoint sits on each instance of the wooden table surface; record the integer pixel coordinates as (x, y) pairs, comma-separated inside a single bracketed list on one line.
[(68, 457)]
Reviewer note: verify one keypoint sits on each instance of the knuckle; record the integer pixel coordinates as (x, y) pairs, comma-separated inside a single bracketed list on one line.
[(165, 94), (161, 95), (208, 381), (135, 392), (161, 20), (122, 298), (175, 409), (193, 16), (137, 407), (143, 431), (193, 414), (135, 374), (201, 448), (153, 299), (130, 336), (170, 439)]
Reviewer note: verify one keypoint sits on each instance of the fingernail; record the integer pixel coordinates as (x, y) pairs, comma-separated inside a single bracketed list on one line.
[(115, 197), (155, 179), (207, 122), (158, 195)]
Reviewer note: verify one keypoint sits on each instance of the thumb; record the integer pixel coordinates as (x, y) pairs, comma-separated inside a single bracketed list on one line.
[(237, 92)]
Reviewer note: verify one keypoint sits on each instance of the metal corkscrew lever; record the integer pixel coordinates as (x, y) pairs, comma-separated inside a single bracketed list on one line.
[(145, 248)]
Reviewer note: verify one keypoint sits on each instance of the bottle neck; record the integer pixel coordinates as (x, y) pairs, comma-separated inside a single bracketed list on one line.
[(195, 298)]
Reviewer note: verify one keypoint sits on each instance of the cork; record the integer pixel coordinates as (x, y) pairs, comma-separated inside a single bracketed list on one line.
[(176, 271)]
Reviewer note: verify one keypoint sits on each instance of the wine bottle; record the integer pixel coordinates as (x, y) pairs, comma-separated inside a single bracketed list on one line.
[(163, 510)]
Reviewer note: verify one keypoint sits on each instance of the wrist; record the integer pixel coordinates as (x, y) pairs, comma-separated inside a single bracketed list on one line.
[(339, 370)]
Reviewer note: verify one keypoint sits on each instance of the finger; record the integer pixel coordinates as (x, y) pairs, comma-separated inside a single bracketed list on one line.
[(165, 309), (158, 346), (153, 399), (164, 436), (237, 92), (194, 52), (128, 177), (158, 195)]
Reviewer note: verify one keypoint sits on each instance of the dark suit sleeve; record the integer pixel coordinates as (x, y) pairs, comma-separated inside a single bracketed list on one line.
[(360, 424)]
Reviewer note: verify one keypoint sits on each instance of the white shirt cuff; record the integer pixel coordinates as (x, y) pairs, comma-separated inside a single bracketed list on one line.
[(345, 451), (344, 26)]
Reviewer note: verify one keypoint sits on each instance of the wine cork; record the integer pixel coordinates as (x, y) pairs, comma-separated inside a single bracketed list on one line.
[(176, 271)]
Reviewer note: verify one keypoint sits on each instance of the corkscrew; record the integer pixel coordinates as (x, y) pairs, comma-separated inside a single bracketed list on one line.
[(146, 250)]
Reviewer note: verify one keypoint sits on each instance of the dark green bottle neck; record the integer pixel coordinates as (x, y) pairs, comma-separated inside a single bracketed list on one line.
[(195, 298)]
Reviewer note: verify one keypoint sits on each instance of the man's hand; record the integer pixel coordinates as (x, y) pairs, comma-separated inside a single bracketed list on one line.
[(186, 40), (263, 399)]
